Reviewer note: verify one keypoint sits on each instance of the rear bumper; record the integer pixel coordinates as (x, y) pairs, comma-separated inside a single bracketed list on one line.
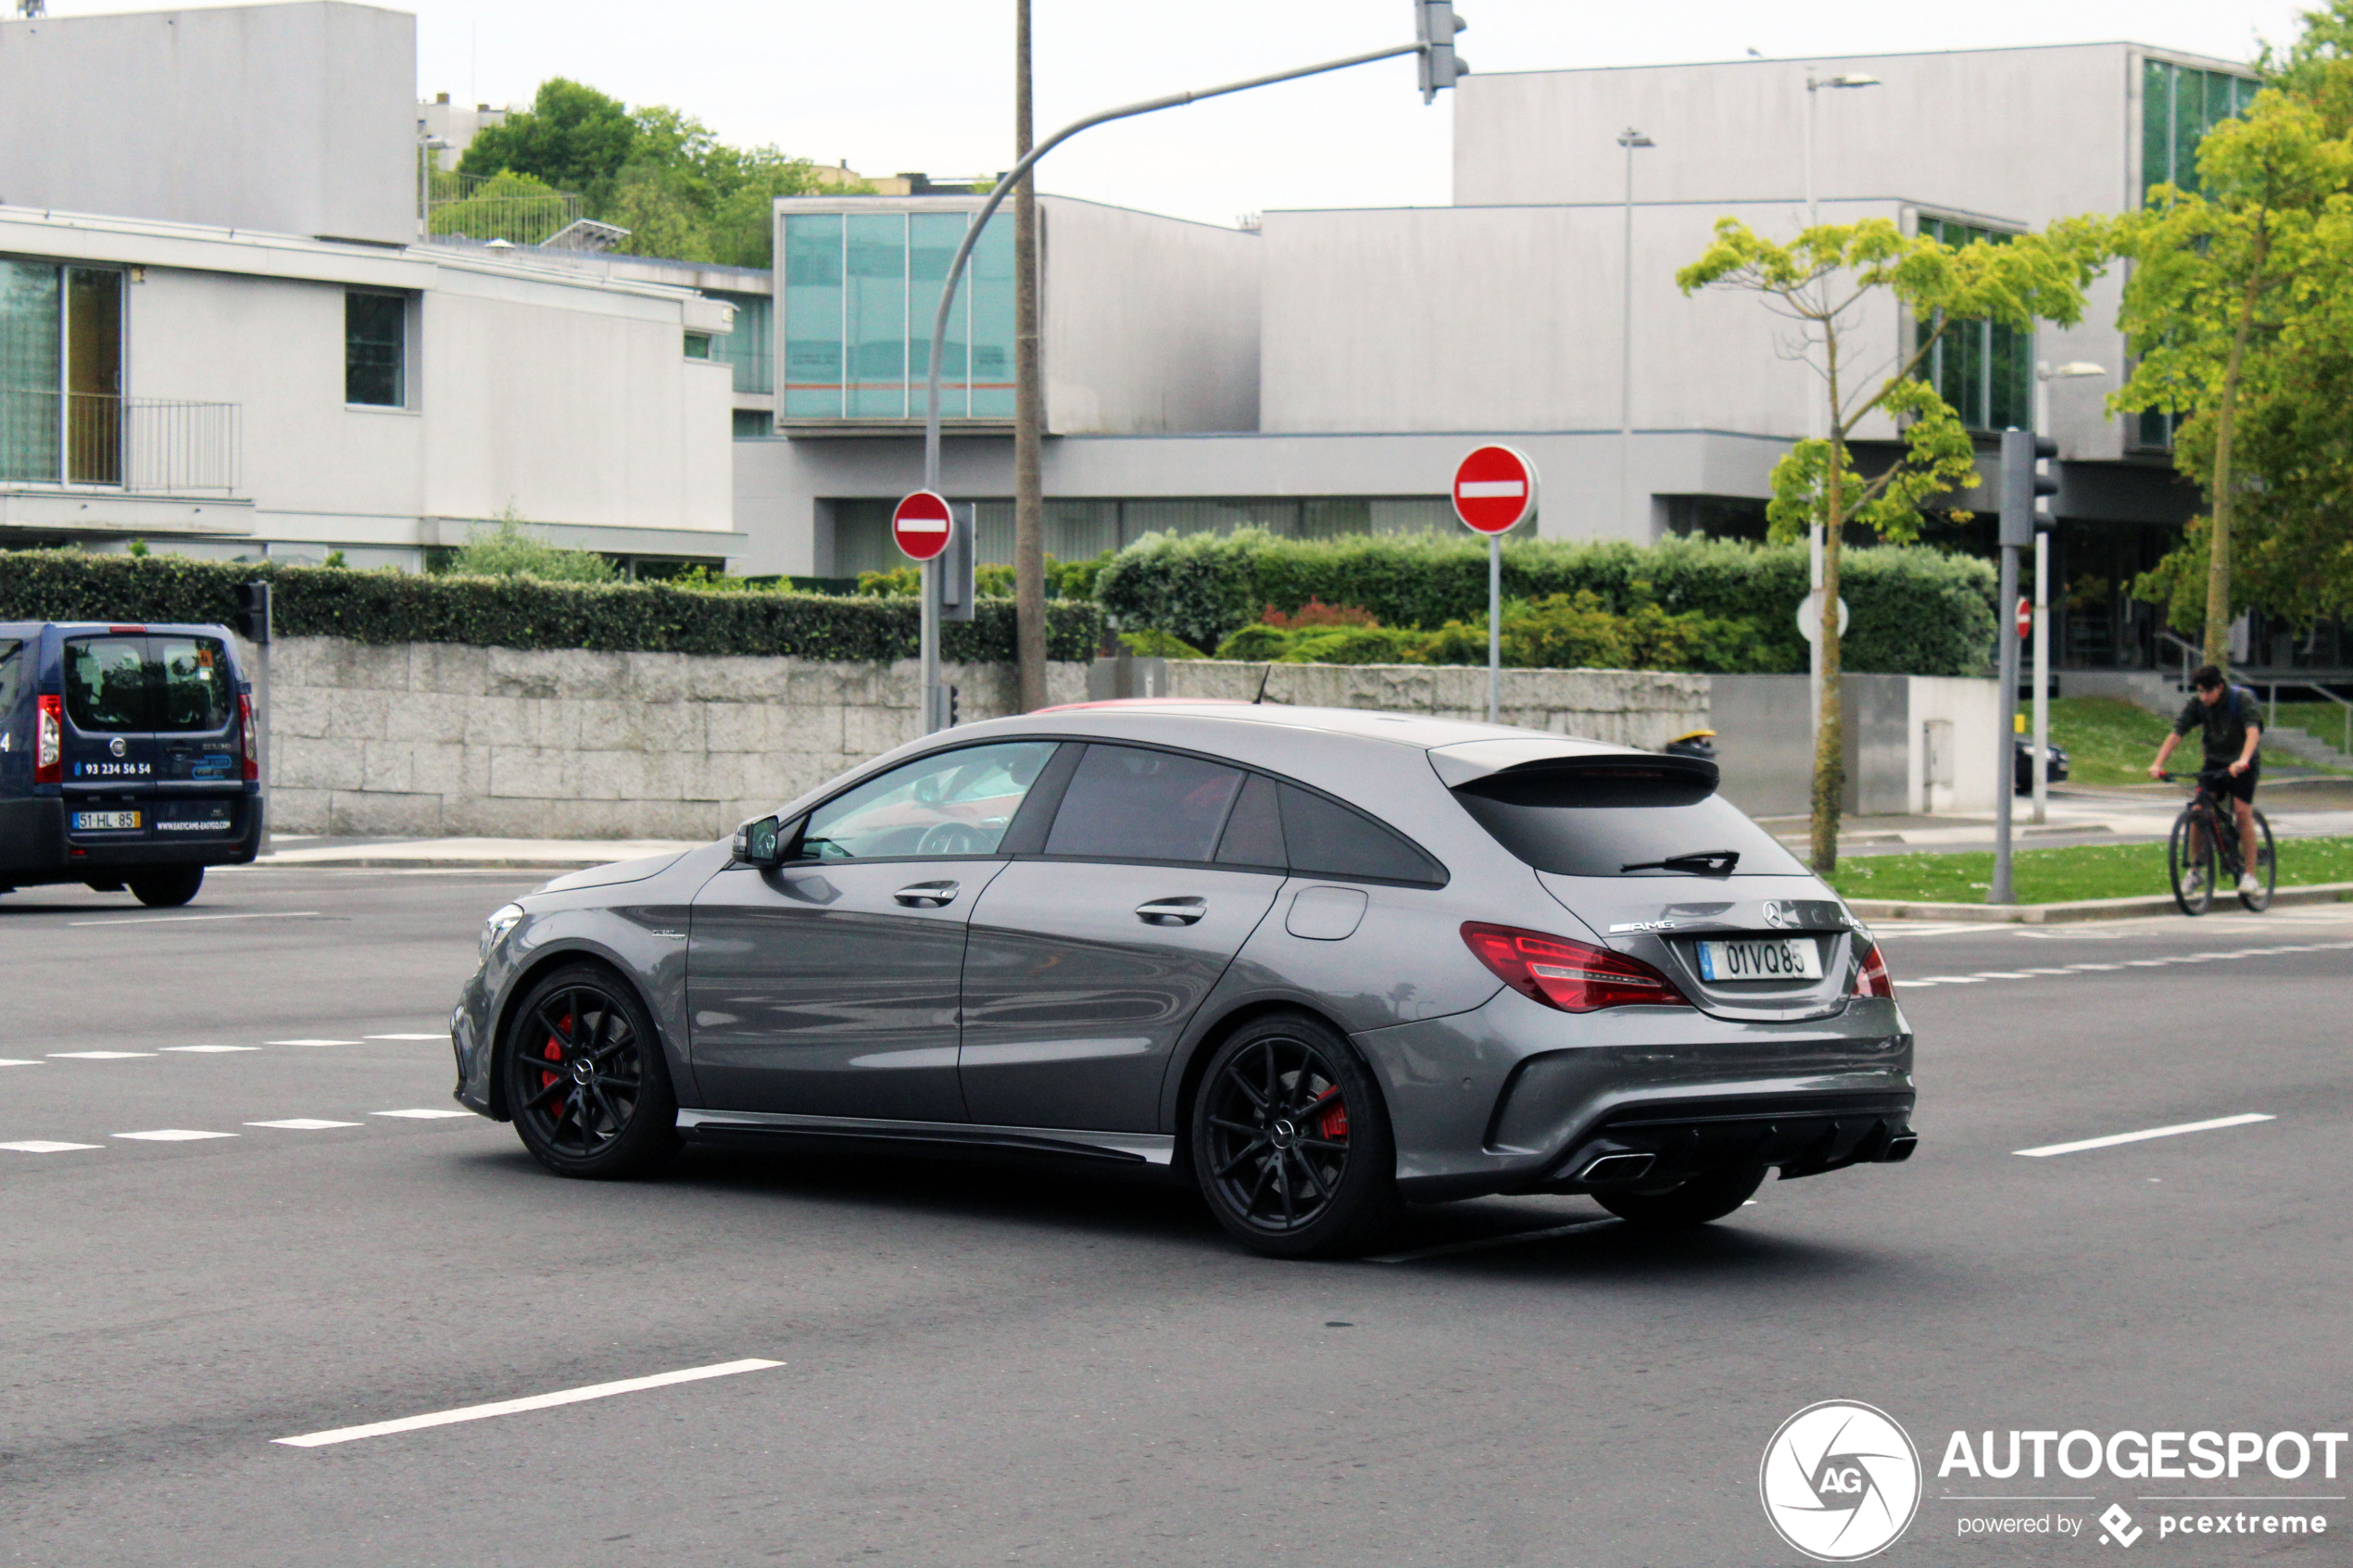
[(1660, 1144), (35, 847)]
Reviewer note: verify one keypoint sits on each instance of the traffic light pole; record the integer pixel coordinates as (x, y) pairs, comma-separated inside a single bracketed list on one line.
[(2005, 744), (1012, 177), (2022, 524)]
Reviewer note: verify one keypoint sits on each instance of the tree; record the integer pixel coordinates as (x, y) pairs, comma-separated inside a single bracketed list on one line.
[(572, 138), (1822, 281), (2240, 306)]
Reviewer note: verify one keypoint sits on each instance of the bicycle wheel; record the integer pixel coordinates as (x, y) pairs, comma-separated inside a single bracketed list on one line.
[(2267, 867), (2192, 874)]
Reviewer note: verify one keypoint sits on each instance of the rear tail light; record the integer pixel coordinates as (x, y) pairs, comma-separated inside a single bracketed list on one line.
[(49, 742), (1568, 976), (252, 741), (1870, 975)]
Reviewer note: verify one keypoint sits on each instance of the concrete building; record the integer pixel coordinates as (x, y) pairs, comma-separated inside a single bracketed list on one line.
[(1322, 373), (219, 334)]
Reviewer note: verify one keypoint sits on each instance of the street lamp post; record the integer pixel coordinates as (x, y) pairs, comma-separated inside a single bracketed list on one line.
[(1630, 139), (2045, 373), (1816, 421)]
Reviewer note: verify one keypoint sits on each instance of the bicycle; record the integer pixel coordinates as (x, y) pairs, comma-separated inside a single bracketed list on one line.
[(2209, 816)]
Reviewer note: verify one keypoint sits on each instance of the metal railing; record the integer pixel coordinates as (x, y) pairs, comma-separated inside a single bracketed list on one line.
[(496, 207), (141, 446)]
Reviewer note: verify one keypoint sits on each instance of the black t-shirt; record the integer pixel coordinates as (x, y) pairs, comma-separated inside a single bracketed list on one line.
[(2225, 724)]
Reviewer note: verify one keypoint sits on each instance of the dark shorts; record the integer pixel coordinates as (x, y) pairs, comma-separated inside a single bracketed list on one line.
[(2243, 786)]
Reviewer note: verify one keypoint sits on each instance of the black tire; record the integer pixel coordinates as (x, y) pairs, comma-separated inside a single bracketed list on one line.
[(2267, 867), (1694, 1203), (166, 889), (1290, 1143), (2180, 863), (610, 1113)]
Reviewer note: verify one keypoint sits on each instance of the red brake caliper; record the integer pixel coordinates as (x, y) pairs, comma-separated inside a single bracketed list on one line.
[(1333, 1123), (554, 1052)]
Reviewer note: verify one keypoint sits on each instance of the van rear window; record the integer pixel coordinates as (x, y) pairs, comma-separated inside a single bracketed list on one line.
[(107, 683), (156, 683), (12, 663), (1623, 820)]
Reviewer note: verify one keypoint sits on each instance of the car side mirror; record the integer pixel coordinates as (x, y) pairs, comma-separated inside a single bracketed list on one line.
[(760, 844)]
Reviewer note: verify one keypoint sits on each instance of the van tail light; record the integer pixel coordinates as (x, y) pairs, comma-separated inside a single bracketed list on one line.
[(49, 742), (1870, 975), (252, 741), (1568, 976)]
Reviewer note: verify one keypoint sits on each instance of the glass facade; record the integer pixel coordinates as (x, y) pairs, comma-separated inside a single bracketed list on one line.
[(750, 349), (1985, 371), (860, 291), (2179, 105), (1080, 530)]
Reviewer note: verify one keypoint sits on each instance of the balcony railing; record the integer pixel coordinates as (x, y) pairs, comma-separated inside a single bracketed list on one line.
[(141, 446)]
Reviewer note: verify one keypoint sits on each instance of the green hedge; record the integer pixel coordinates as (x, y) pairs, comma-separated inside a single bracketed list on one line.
[(513, 612), (1914, 610)]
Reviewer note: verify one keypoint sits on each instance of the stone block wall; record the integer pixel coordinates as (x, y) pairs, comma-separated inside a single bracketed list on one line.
[(1624, 707), (435, 739)]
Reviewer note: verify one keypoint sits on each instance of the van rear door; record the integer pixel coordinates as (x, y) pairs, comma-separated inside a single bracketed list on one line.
[(109, 744), (200, 754)]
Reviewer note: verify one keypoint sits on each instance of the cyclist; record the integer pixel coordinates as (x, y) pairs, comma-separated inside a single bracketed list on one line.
[(2227, 714)]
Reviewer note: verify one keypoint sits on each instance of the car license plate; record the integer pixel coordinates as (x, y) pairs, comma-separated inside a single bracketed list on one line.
[(1779, 957), (101, 821)]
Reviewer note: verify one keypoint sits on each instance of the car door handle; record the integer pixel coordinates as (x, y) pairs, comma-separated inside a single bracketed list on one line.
[(928, 895), (1173, 911)]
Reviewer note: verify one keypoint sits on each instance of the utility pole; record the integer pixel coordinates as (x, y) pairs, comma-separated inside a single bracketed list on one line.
[(1630, 139), (1029, 402)]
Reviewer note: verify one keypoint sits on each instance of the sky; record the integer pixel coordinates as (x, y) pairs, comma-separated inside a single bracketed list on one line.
[(891, 85)]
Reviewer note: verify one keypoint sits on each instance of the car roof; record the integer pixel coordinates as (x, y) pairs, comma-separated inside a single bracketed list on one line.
[(79, 628), (1137, 717)]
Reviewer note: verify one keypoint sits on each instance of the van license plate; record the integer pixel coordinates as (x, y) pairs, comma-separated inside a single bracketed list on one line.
[(101, 821), (1781, 957)]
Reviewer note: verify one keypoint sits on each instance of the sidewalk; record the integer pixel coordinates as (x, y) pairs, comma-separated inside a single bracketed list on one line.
[(2083, 814), (468, 854)]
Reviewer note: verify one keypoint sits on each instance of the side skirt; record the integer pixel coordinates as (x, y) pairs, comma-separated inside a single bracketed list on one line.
[(1122, 1149)]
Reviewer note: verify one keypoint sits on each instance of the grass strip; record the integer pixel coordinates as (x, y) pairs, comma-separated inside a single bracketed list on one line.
[(2059, 876)]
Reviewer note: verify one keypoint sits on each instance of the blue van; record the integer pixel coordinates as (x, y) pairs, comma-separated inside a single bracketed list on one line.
[(128, 757)]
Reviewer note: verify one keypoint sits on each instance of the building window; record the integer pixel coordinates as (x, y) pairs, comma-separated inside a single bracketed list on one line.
[(698, 345), (754, 424), (1984, 370), (60, 373), (375, 350), (2179, 105), (750, 348), (860, 291)]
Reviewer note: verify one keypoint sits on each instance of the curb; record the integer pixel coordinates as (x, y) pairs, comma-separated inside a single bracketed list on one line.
[(2082, 909)]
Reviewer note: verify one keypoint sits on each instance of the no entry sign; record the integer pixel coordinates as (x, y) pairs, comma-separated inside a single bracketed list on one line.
[(2025, 617), (1495, 489), (919, 526)]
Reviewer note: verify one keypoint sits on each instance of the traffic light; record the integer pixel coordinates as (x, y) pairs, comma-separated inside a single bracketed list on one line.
[(1435, 25), (2024, 486), (252, 619), (954, 571)]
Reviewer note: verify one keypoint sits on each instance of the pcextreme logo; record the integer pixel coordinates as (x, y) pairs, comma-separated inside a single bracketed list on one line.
[(1841, 1481)]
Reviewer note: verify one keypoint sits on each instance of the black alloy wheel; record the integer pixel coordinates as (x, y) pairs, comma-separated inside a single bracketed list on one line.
[(167, 889), (2266, 868), (585, 1081), (1291, 1145), (1695, 1202), (2192, 869)]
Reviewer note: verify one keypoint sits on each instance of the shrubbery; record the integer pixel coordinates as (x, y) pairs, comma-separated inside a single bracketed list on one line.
[(1559, 632), (515, 612), (1915, 611)]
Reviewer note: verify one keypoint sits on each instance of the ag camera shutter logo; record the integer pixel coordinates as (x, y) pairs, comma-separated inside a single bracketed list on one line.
[(1841, 1481)]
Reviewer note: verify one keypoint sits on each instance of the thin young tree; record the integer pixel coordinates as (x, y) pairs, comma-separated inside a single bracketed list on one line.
[(1825, 281), (1029, 403)]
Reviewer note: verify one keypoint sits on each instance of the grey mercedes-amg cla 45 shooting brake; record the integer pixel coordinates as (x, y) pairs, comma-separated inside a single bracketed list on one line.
[(1318, 962)]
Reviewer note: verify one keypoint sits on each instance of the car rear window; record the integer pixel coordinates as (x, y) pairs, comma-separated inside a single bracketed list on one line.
[(107, 683), (1622, 820), (1129, 804)]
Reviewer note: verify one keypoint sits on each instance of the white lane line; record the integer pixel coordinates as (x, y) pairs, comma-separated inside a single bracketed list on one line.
[(207, 1049), (16, 1062), (302, 1124), (43, 1146), (442, 1035), (310, 1042), (2042, 972), (1953, 979), (515, 1407), (170, 920), (421, 1114), (172, 1135), (100, 1056), (2146, 963), (1487, 1242), (2095, 966), (2115, 1138), (1909, 984), (2003, 975)]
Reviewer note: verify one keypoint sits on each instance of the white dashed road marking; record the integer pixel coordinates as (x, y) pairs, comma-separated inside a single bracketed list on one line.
[(43, 1145), (312, 1042), (2115, 1138), (211, 1049), (422, 1115), (515, 1407), (442, 1035), (175, 919), (173, 1134), (304, 1124), (16, 1062), (100, 1056)]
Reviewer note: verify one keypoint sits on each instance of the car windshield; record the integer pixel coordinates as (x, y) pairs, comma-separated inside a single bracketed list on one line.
[(1623, 820), (949, 803)]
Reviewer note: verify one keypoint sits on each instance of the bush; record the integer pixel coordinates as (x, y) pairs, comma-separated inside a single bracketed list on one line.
[(1153, 644), (1915, 611), (508, 551), (1560, 632), (515, 612)]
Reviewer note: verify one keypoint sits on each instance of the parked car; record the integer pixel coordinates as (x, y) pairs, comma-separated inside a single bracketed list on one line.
[(1315, 962), (128, 757), (2022, 754)]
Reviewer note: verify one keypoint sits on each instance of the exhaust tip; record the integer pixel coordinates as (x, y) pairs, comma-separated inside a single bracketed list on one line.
[(1899, 1148), (1622, 1167)]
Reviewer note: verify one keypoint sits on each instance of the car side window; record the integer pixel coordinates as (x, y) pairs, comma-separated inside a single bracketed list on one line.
[(1324, 838), (107, 683), (956, 802), (1126, 803), (1255, 833)]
